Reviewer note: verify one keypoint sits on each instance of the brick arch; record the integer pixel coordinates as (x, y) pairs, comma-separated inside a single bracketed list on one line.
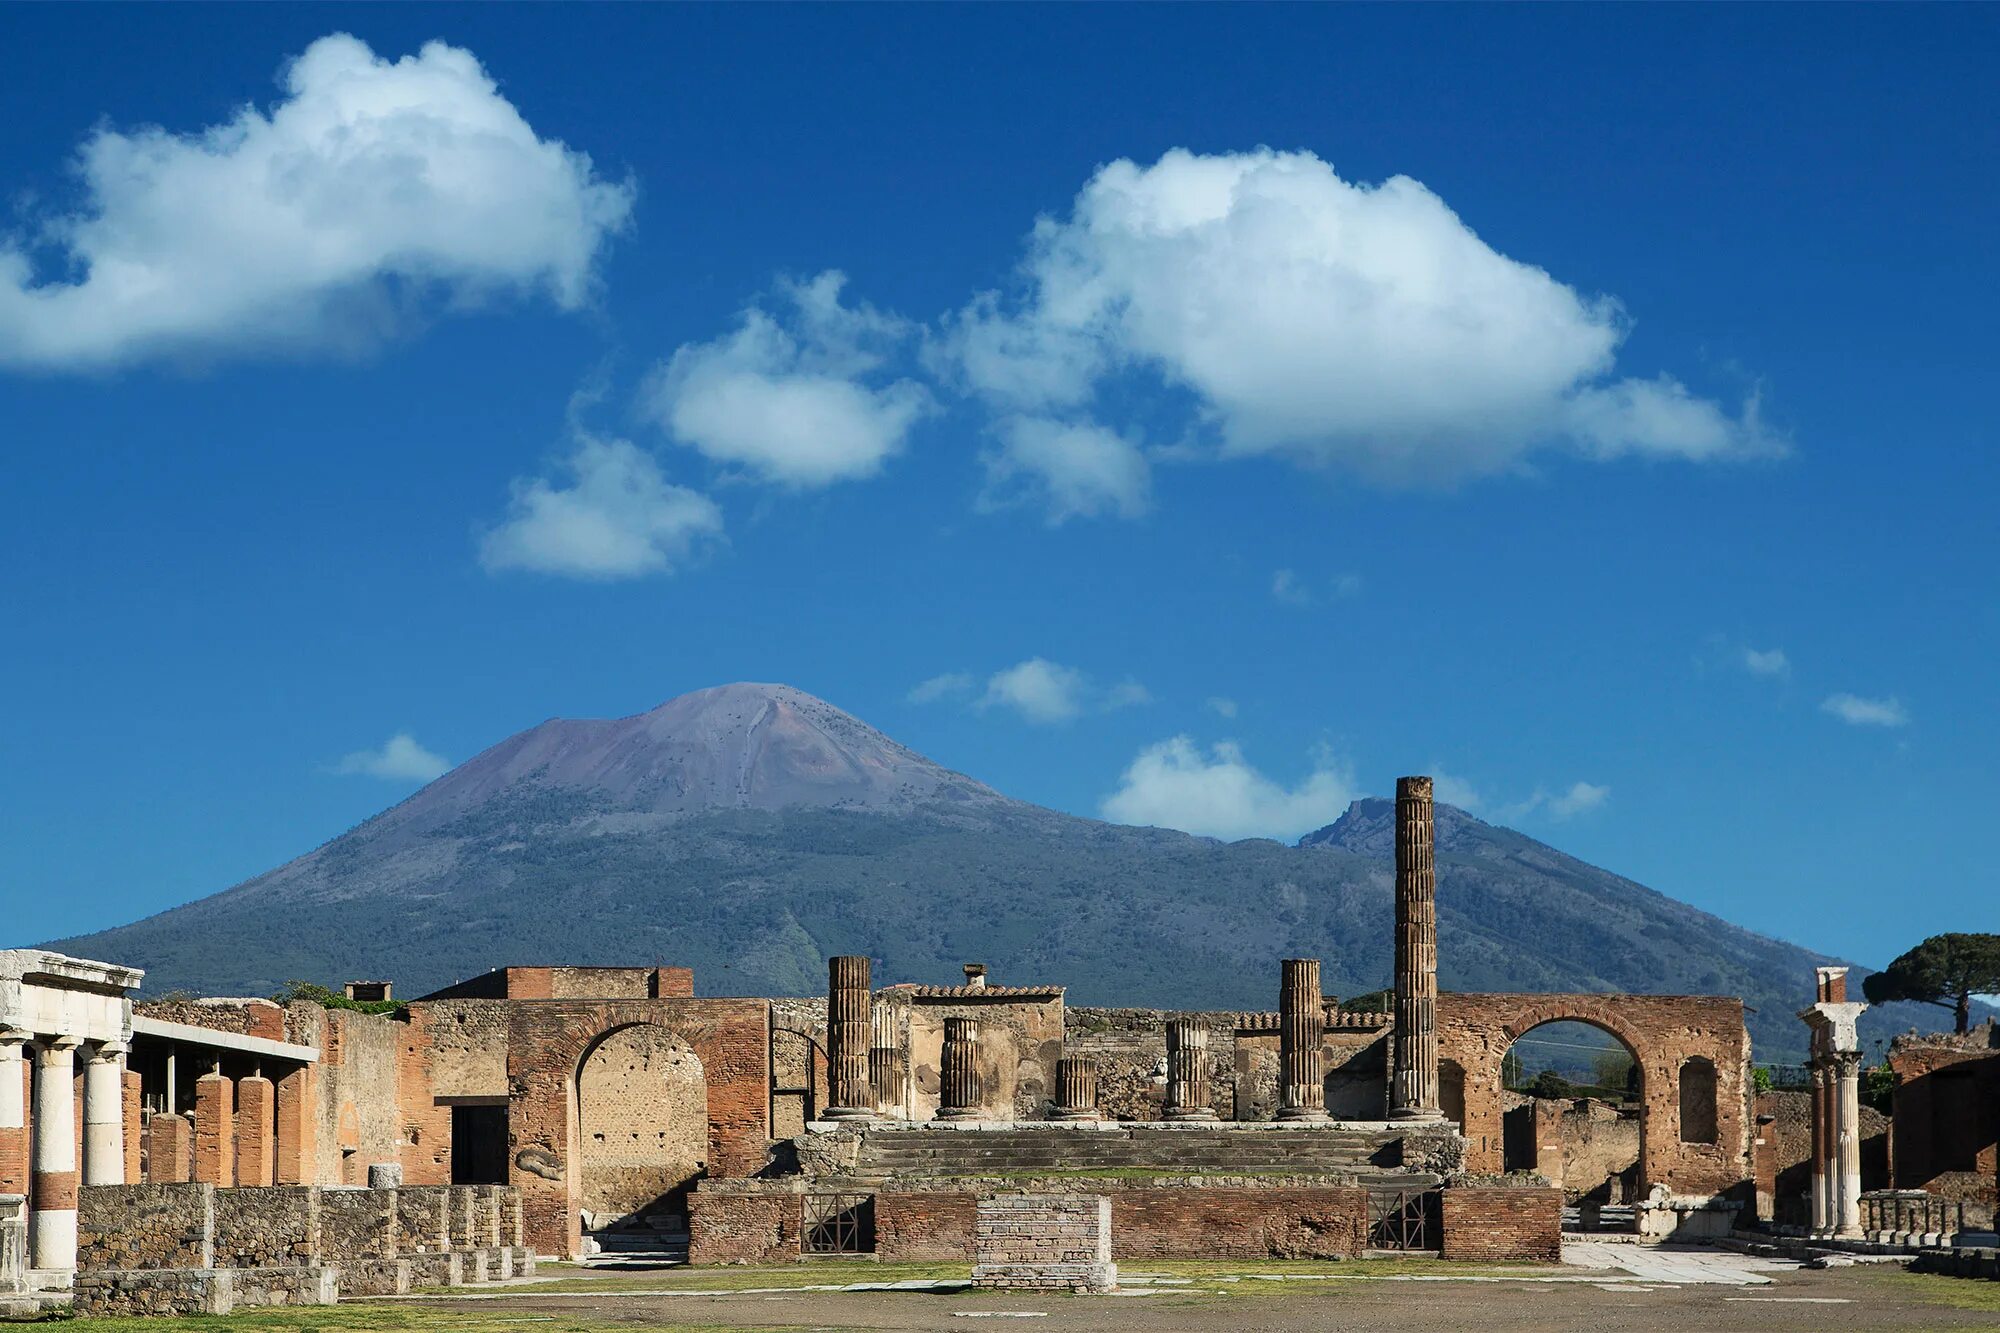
[(644, 1169), (1661, 1031), (548, 1042)]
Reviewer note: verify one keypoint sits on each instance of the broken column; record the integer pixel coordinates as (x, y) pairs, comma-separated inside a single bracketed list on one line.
[(1187, 1070), (1301, 1031), (888, 1067), (1076, 1088), (104, 1115), (256, 1121), (848, 1029), (1413, 1093), (1836, 1105), (52, 1183), (214, 1129), (958, 1072)]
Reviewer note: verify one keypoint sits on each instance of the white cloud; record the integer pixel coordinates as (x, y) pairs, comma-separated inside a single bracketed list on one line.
[(1580, 797), (1333, 323), (400, 759), (1288, 587), (1222, 707), (1857, 711), (1127, 693), (950, 684), (371, 185), (792, 402), (1039, 690), (1767, 662), (619, 518), (1072, 470), (1217, 794), (1454, 790)]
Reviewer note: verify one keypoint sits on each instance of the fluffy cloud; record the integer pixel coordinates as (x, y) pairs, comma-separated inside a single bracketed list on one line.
[(1857, 711), (1580, 797), (1767, 662), (618, 518), (792, 402), (400, 759), (372, 184), (1337, 324), (1217, 794), (1039, 690), (1071, 470), (1576, 799)]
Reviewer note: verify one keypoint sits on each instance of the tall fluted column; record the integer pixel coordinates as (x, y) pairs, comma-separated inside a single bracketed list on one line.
[(1187, 1070), (847, 1035), (52, 1188), (1301, 1030), (1846, 1154), (1076, 1088), (1818, 1109), (13, 1112), (104, 1115), (958, 1071), (888, 1067), (1414, 1093)]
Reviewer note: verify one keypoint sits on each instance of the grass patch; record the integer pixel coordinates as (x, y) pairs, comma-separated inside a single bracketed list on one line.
[(1957, 1293), (380, 1319)]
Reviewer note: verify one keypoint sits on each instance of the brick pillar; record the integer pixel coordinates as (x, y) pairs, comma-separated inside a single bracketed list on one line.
[(958, 1071), (214, 1129), (1414, 1091), (15, 1074), (1187, 1070), (255, 1120), (1076, 1088), (133, 1110), (169, 1139), (52, 1177), (297, 1156), (849, 1027), (104, 1115), (1301, 1030)]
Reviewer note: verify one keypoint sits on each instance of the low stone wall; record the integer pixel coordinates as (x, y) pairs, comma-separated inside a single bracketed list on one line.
[(1964, 1261), (1485, 1222), (759, 1222), (1043, 1242), (198, 1249)]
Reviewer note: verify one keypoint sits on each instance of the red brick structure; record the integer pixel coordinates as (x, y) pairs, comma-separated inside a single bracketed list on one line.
[(547, 1044), (1694, 1145), (1502, 1223), (1945, 1130), (256, 1120), (214, 1130)]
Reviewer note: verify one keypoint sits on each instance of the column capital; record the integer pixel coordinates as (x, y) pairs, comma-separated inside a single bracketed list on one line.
[(14, 1037), (62, 1044), (109, 1050)]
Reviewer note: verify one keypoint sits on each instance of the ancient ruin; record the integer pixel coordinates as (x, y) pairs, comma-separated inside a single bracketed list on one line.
[(608, 1107)]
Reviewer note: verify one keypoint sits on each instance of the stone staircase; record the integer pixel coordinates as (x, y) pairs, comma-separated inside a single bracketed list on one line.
[(658, 1240), (1368, 1156)]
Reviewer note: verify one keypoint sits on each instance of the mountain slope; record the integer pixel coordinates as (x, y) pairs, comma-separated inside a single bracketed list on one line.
[(750, 830)]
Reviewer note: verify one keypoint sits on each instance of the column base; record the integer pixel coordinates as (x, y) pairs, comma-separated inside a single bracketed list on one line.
[(1187, 1113), (853, 1115), (1416, 1113), (958, 1113), (1303, 1115), (1092, 1114)]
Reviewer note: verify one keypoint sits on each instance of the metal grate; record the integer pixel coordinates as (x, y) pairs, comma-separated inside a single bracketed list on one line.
[(1403, 1219), (837, 1224)]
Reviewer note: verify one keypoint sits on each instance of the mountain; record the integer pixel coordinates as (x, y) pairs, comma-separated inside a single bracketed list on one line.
[(751, 830)]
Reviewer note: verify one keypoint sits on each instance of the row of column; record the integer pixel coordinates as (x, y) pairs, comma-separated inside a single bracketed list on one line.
[(1836, 1144), (867, 1067), (41, 1072)]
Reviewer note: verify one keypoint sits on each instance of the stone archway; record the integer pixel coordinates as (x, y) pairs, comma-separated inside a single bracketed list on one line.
[(641, 1127), (1573, 1093)]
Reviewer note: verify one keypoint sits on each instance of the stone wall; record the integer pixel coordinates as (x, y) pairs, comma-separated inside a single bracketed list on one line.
[(927, 1227), (1947, 1114), (1501, 1222), (357, 1224), (356, 1109), (145, 1226), (275, 1227), (244, 1017), (644, 1109), (1043, 1242), (798, 1064), (1130, 1048), (1020, 1040), (743, 1228)]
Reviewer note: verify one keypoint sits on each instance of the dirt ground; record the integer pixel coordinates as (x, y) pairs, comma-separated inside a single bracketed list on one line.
[(1836, 1299)]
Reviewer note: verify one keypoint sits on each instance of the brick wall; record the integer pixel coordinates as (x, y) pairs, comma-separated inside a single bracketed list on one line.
[(1661, 1031), (925, 1227), (1947, 1114), (644, 1133), (1044, 1242), (1502, 1222), (731, 1228), (145, 1226)]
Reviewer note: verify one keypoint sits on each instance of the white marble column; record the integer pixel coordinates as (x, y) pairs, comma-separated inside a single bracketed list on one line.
[(104, 1115), (1846, 1155), (52, 1187)]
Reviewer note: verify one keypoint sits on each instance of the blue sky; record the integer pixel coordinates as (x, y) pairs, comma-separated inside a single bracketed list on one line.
[(1590, 406)]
